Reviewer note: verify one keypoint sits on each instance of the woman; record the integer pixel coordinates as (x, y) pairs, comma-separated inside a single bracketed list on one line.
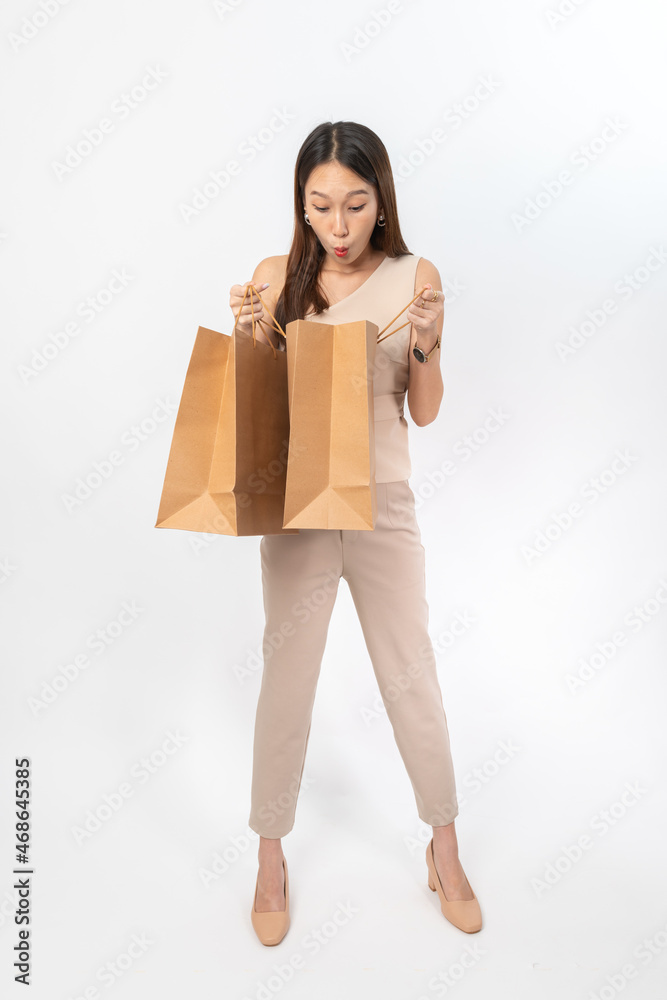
[(348, 261)]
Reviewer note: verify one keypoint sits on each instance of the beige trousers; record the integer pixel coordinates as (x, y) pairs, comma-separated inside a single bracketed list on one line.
[(385, 571)]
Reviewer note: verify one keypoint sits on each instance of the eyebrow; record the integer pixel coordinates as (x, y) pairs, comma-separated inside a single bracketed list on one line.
[(349, 193)]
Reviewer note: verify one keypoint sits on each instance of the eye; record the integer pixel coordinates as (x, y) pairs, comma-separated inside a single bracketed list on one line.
[(353, 208)]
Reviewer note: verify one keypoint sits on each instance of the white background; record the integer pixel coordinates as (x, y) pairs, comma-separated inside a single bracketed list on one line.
[(514, 290)]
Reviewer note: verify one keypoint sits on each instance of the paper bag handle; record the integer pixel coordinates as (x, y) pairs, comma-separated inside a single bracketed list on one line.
[(277, 327), (380, 337)]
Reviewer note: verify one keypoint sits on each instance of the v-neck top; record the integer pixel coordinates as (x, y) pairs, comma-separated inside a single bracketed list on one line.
[(370, 277), (389, 288)]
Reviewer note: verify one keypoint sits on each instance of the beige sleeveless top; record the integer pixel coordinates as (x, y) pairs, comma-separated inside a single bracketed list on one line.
[(389, 288)]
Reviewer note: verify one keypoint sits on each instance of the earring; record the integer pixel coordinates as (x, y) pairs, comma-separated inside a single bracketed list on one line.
[(381, 221), (305, 215)]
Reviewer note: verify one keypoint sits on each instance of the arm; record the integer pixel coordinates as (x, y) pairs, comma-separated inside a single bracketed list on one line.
[(425, 387)]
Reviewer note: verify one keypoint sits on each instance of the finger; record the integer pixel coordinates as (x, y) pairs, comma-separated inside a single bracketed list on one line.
[(248, 292), (436, 294), (238, 291)]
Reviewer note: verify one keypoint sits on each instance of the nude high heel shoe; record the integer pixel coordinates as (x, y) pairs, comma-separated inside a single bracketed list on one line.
[(463, 913), (272, 926)]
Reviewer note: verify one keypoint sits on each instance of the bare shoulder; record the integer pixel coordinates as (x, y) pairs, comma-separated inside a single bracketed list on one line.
[(427, 274), (271, 269)]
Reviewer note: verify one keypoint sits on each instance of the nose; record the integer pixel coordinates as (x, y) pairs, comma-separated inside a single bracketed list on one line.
[(339, 227)]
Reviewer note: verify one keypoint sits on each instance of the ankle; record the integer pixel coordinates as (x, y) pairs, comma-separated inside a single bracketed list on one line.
[(445, 837), (270, 851)]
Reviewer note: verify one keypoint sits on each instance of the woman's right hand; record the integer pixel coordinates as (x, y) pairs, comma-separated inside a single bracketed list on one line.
[(245, 318)]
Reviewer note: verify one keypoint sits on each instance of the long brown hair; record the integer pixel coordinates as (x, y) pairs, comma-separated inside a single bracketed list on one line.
[(360, 149)]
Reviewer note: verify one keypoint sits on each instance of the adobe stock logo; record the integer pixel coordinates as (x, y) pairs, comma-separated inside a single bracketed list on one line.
[(452, 118), (31, 25), (88, 309), (591, 491), (625, 288), (554, 188), (221, 8), (365, 33), (122, 107), (565, 9), (103, 469), (247, 151)]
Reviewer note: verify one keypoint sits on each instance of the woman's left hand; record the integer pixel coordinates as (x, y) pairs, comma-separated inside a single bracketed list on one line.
[(425, 313)]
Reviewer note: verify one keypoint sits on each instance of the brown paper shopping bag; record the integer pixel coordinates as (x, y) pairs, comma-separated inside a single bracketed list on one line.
[(228, 460), (331, 461)]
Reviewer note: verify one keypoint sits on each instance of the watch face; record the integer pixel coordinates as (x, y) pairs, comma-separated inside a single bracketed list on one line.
[(419, 354)]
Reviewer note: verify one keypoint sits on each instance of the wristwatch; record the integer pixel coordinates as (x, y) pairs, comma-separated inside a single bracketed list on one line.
[(419, 354)]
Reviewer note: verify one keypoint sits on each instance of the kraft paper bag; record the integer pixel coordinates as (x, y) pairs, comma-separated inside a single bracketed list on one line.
[(331, 458), (227, 465)]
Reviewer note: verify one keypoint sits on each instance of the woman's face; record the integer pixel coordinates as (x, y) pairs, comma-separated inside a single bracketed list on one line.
[(343, 210)]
